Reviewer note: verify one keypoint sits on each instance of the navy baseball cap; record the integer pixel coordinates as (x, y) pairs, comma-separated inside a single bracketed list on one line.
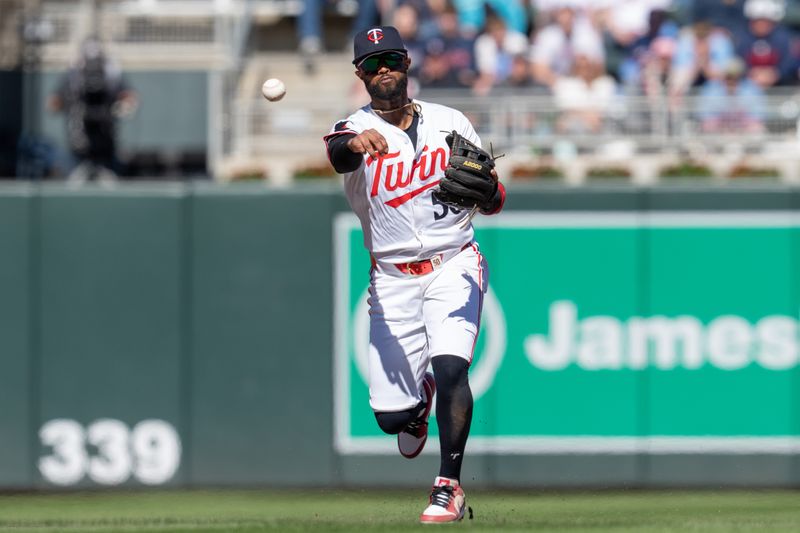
[(376, 40)]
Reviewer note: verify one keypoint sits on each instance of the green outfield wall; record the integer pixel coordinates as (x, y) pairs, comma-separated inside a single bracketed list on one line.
[(199, 335)]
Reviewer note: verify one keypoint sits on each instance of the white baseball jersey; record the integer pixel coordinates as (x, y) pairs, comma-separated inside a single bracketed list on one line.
[(392, 195), (414, 317)]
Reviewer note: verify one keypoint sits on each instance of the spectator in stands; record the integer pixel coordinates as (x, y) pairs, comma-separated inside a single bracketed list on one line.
[(406, 20), (733, 104), (309, 26), (553, 48), (449, 28), (702, 53), (765, 44), (624, 24), (427, 13), (648, 58), (451, 55), (585, 96), (494, 53), (630, 20), (520, 75), (656, 67), (367, 15), (92, 95), (437, 72), (727, 14), (472, 14)]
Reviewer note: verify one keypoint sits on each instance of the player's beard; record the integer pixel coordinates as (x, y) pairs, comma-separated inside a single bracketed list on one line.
[(398, 90)]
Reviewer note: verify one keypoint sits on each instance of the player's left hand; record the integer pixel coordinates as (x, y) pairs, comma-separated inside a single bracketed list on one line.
[(470, 179)]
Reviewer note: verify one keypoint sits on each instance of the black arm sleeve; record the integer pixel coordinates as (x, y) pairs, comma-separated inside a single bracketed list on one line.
[(342, 158)]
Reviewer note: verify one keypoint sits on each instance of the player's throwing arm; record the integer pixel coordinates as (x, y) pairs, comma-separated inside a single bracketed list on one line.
[(369, 142)]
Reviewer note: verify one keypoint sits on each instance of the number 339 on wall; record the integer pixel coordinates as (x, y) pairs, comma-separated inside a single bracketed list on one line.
[(108, 452)]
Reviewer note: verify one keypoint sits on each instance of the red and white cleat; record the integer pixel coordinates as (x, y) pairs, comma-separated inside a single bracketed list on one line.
[(412, 439), (447, 502)]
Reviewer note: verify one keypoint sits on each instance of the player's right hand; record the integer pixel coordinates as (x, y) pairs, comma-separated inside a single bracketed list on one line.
[(368, 142)]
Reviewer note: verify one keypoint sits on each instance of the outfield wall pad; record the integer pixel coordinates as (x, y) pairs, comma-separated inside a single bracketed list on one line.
[(199, 335)]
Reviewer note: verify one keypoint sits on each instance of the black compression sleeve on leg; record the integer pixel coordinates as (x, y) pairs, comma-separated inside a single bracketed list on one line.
[(453, 411), (396, 421)]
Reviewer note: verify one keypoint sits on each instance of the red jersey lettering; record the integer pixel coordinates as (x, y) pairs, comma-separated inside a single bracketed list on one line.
[(392, 173)]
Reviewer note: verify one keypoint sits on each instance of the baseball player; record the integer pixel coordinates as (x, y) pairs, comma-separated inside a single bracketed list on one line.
[(428, 275)]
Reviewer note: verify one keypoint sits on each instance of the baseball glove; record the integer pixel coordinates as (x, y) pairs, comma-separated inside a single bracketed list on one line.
[(467, 181)]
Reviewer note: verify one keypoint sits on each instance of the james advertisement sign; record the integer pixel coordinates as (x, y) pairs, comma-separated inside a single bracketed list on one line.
[(612, 333)]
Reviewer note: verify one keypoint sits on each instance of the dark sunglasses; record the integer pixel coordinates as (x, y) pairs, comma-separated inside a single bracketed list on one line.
[(392, 60)]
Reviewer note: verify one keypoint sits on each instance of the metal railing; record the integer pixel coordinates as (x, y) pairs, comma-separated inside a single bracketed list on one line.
[(632, 131), (653, 123), (535, 121)]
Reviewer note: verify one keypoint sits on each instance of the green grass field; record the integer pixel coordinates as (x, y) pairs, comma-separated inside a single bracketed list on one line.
[(364, 511)]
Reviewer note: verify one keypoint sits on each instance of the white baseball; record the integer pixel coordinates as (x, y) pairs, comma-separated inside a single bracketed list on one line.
[(273, 89)]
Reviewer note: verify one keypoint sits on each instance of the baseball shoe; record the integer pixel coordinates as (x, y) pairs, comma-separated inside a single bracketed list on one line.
[(412, 439), (447, 502)]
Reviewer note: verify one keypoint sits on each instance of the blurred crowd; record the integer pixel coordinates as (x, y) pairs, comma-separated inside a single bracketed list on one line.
[(586, 52)]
